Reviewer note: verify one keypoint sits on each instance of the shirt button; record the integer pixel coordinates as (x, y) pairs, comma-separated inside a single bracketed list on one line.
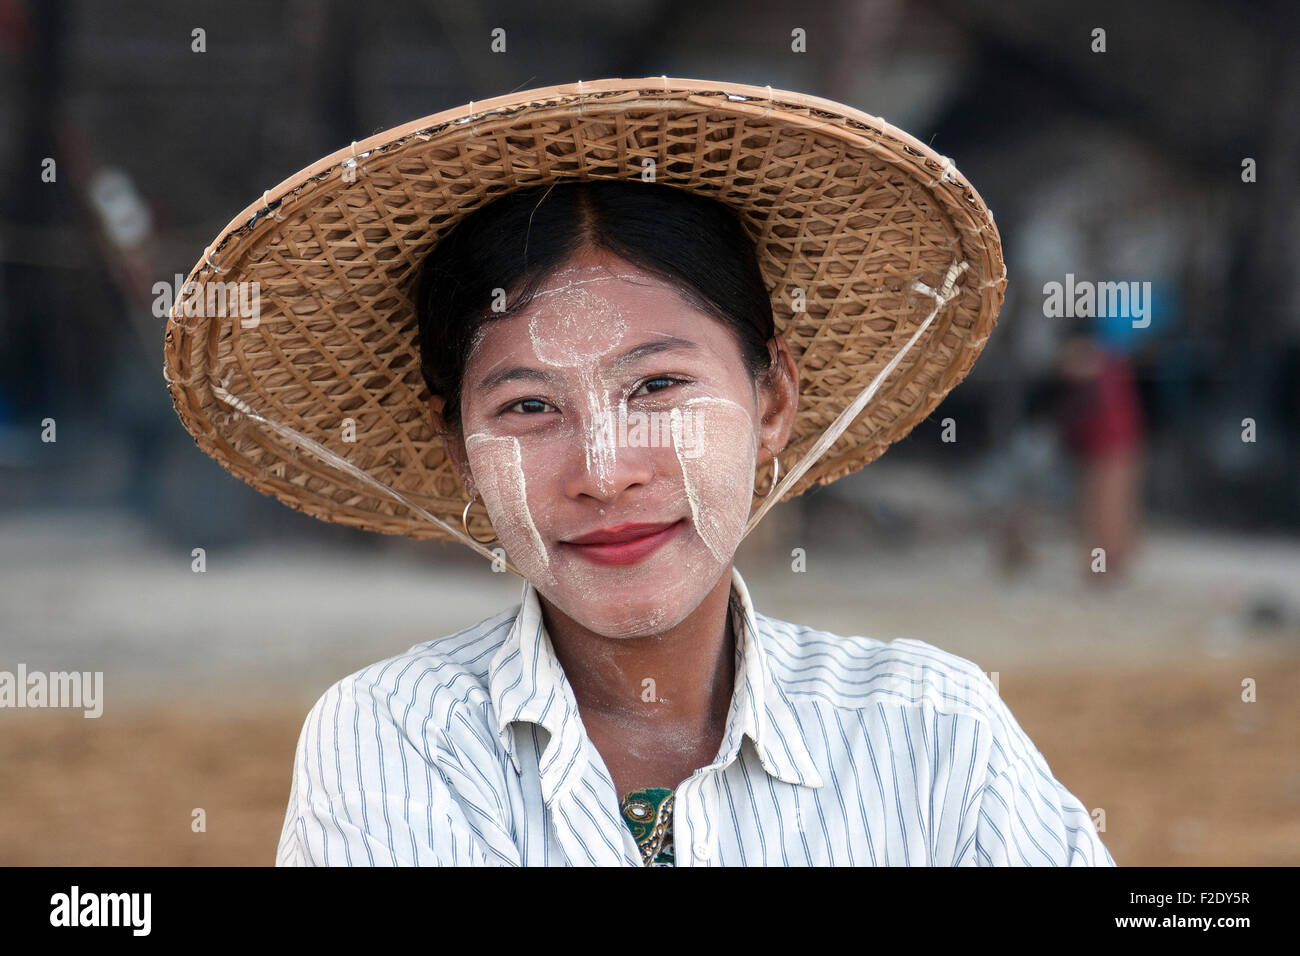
[(701, 851)]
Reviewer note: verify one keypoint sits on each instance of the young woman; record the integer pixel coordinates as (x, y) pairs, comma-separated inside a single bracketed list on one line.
[(608, 366)]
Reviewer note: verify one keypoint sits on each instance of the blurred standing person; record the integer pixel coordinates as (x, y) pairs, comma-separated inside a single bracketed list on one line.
[(1105, 431)]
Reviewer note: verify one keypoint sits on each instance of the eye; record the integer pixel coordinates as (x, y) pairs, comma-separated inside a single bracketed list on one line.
[(663, 382), (662, 378), (527, 401)]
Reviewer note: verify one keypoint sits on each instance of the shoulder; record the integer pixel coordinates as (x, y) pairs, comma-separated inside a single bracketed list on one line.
[(1011, 808), (856, 671), (421, 692), (394, 764)]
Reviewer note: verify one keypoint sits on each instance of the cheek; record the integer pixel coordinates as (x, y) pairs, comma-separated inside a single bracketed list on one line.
[(717, 451), (499, 470)]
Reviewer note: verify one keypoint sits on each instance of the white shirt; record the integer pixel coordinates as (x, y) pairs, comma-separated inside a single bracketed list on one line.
[(469, 750)]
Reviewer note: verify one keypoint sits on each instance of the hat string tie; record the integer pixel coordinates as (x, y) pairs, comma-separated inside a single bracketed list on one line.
[(341, 463), (945, 293)]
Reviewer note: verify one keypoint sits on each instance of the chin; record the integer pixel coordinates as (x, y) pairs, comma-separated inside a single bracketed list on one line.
[(634, 600), (631, 611)]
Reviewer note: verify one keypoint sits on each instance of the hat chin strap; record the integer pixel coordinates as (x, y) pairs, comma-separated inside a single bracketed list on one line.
[(341, 463), (944, 294)]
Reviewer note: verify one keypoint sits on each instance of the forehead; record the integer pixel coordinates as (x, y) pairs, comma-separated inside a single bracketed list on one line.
[(591, 307)]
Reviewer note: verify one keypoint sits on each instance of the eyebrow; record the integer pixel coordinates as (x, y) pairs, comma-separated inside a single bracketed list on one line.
[(666, 343)]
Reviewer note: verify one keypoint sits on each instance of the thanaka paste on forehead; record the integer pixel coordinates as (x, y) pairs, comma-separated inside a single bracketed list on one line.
[(476, 340)]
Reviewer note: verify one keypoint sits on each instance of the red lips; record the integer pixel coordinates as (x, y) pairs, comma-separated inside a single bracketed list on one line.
[(625, 543), (620, 534)]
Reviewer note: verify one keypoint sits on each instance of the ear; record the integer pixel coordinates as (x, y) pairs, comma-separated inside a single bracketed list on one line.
[(454, 442), (778, 398)]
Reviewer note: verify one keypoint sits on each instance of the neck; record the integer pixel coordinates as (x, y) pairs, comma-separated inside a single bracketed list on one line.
[(691, 666)]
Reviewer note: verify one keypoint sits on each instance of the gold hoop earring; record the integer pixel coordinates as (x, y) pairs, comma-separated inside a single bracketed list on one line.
[(464, 523), (776, 476)]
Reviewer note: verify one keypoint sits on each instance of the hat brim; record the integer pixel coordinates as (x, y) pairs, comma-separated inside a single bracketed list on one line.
[(319, 401)]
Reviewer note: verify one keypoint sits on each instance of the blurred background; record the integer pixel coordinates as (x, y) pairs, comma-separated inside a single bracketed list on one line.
[(1162, 687)]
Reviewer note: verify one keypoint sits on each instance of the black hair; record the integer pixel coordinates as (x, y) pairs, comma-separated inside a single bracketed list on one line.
[(691, 241)]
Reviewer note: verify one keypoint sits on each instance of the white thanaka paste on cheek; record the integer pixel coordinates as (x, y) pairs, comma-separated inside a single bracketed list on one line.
[(499, 470), (723, 455), (691, 494)]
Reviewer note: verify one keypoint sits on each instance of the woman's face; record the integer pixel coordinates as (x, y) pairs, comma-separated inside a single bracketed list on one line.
[(607, 401)]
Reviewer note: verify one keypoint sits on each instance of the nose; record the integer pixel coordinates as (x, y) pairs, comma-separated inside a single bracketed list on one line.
[(600, 465)]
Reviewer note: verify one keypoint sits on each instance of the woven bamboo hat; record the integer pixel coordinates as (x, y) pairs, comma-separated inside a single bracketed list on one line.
[(884, 267)]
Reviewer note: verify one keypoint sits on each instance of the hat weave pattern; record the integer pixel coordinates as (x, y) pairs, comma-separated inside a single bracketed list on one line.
[(320, 402)]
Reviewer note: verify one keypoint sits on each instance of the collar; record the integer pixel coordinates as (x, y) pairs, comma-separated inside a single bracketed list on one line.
[(527, 684)]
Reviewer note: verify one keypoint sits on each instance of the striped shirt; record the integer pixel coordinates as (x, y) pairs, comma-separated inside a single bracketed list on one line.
[(840, 751)]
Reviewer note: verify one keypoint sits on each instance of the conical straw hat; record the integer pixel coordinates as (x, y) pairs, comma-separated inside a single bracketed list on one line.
[(883, 263)]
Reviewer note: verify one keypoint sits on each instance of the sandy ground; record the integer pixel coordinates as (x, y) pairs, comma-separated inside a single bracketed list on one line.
[(1133, 695), (1185, 771)]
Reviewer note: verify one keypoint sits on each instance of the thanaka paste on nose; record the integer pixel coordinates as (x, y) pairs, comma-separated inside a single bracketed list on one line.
[(590, 326)]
